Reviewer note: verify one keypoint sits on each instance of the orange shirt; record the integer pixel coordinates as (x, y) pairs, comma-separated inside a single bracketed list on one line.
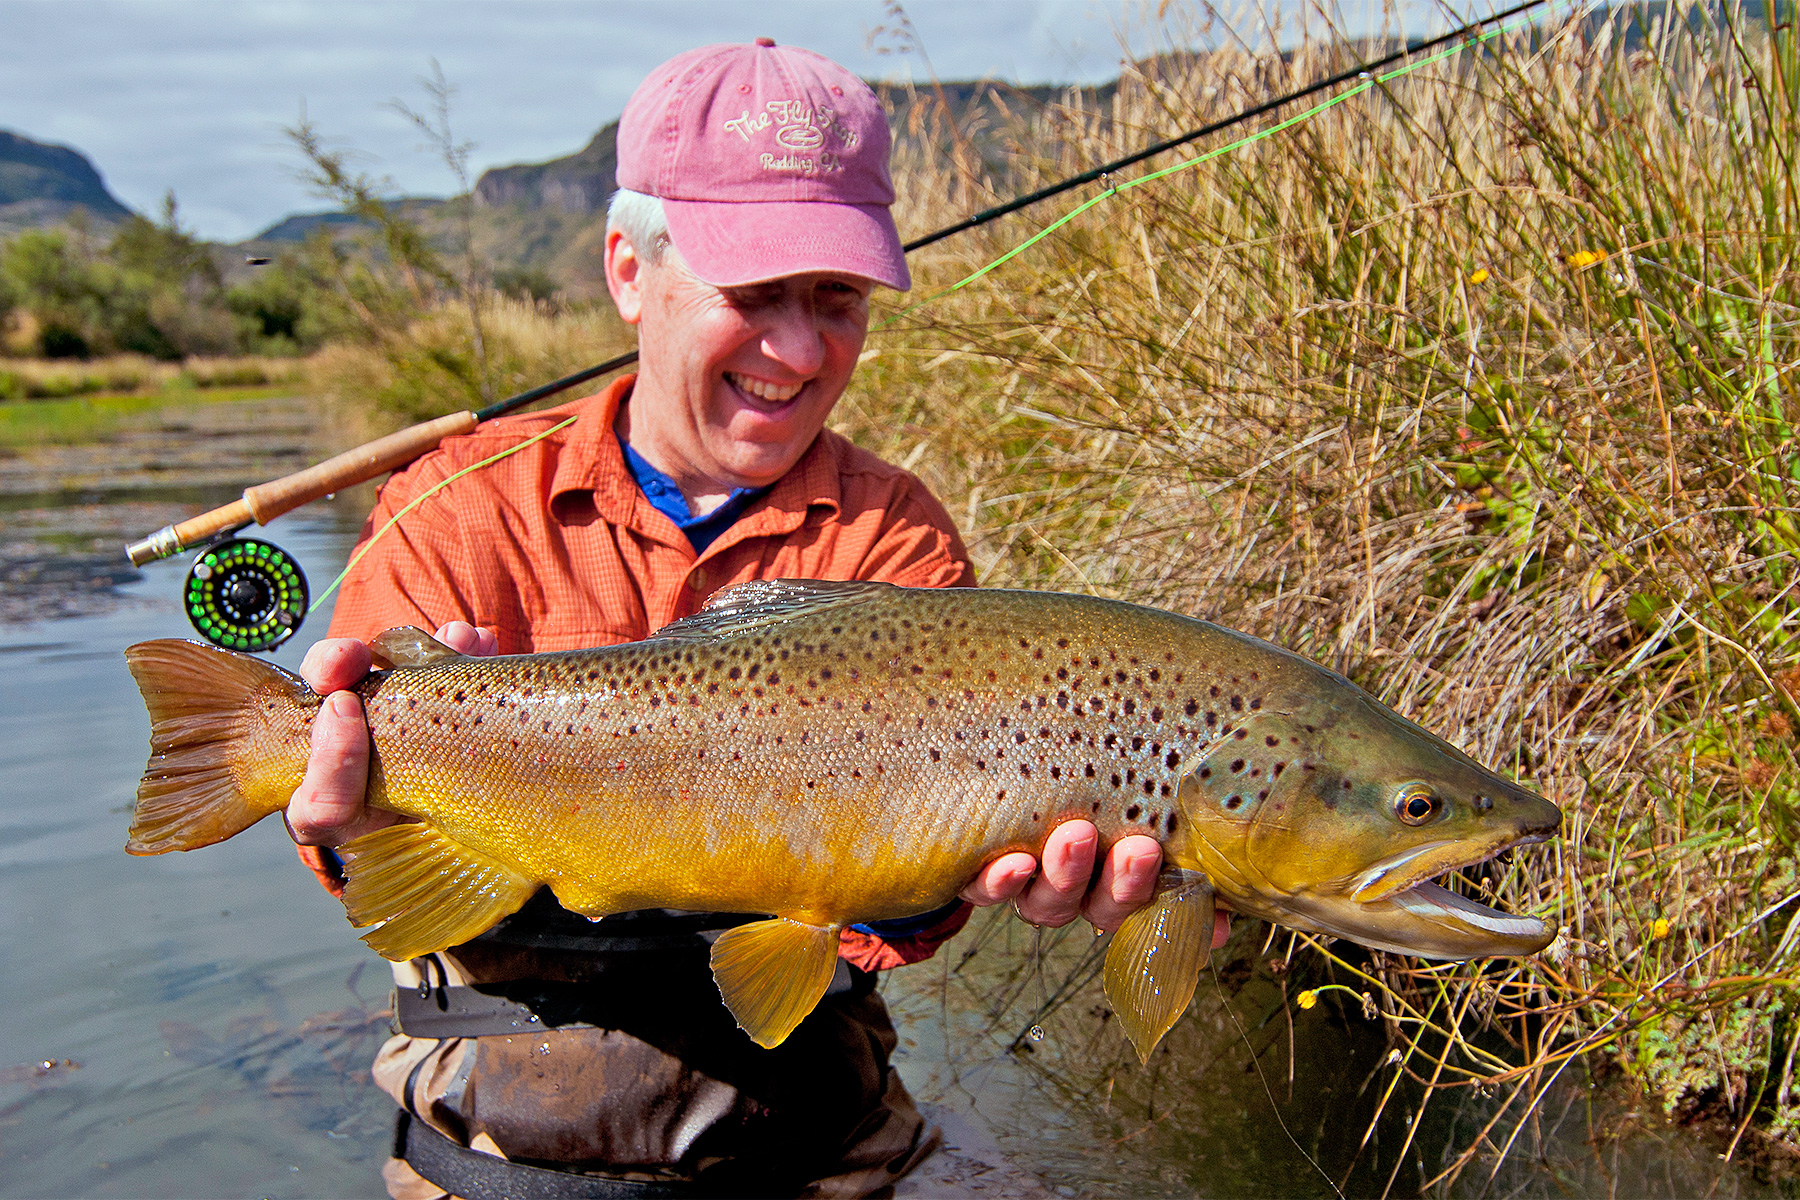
[(556, 547)]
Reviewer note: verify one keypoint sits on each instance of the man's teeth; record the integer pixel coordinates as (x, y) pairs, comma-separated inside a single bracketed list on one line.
[(764, 390)]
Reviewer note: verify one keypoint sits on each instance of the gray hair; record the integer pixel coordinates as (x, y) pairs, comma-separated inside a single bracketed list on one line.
[(640, 218)]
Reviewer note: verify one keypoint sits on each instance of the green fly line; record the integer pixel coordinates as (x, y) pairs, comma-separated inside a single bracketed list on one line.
[(1368, 82), (427, 494)]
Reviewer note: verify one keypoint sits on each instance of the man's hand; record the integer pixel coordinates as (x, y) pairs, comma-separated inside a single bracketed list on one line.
[(328, 808), (1059, 892)]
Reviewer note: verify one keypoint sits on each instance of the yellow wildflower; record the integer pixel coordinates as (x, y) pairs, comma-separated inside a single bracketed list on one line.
[(1479, 276), (1307, 998), (1660, 930), (1585, 258)]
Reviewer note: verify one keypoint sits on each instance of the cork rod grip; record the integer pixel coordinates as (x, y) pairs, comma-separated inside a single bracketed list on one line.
[(267, 501)]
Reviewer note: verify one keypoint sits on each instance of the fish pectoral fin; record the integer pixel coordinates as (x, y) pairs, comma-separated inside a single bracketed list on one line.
[(772, 973), (1155, 958), (428, 891), (408, 646)]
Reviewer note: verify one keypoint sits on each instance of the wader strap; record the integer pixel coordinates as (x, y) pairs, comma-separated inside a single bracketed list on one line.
[(526, 1006), (473, 1175)]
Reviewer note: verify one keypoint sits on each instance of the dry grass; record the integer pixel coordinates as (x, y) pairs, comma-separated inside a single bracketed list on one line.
[(1479, 387), (430, 367), (135, 374)]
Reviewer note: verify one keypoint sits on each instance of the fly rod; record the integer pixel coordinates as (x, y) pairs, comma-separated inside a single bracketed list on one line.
[(250, 595)]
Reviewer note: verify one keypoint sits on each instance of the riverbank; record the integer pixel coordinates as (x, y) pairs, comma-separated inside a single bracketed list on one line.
[(71, 505)]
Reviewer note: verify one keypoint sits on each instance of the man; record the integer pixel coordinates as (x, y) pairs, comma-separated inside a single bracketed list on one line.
[(752, 226)]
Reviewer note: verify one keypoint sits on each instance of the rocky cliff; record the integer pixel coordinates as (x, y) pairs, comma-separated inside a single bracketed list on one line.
[(581, 183), (42, 184)]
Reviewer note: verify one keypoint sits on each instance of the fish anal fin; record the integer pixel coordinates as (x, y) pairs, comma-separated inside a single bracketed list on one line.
[(772, 973), (1155, 958), (428, 891), (408, 646)]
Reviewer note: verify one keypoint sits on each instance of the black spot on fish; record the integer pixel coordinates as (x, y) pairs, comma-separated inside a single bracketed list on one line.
[(1276, 770), (1131, 814), (1116, 781), (1171, 759), (1237, 765), (1212, 718), (1205, 773), (1240, 734), (1171, 823), (1192, 707), (1234, 802), (1237, 704), (1088, 770)]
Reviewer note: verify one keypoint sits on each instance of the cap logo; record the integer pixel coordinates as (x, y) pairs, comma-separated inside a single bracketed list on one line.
[(797, 125)]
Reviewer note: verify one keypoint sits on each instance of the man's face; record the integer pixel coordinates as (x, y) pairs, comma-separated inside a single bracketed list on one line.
[(734, 383)]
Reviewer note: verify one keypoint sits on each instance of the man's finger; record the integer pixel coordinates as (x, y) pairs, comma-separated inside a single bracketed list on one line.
[(328, 808), (333, 664), (1067, 866), (1127, 881), (1001, 879), (1221, 927)]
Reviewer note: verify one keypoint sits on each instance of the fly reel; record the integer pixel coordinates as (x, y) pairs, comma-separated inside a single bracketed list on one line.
[(245, 594)]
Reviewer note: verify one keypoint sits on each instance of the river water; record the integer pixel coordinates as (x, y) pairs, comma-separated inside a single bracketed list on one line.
[(200, 1024)]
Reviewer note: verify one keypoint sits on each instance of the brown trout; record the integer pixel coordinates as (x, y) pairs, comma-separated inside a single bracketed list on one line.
[(831, 753)]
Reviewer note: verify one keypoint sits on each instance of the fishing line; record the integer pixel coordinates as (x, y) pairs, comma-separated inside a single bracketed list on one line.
[(424, 496), (1364, 73), (1213, 966), (287, 606)]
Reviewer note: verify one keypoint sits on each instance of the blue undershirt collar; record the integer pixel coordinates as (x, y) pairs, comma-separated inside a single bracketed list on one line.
[(666, 498)]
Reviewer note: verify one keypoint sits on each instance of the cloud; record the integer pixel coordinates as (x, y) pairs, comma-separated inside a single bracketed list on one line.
[(193, 95)]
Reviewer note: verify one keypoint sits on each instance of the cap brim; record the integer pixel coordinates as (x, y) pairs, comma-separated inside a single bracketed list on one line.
[(729, 245)]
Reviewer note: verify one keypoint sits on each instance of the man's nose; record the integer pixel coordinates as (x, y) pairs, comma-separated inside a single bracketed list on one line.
[(795, 338)]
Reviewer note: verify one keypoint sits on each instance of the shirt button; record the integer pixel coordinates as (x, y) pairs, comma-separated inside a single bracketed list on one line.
[(654, 487)]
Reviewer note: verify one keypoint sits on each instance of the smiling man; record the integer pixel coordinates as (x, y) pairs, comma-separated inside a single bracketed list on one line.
[(556, 1056)]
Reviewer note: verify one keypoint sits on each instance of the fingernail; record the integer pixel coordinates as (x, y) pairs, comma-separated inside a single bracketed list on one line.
[(342, 705)]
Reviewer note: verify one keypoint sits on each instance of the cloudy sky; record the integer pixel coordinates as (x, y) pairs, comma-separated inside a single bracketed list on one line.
[(194, 94)]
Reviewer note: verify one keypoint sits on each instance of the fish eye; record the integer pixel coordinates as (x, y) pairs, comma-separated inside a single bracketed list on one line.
[(1417, 804)]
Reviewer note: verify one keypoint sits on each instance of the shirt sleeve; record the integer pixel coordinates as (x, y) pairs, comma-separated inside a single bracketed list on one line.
[(408, 574)]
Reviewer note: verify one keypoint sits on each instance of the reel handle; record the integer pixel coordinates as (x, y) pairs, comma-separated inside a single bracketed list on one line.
[(266, 501)]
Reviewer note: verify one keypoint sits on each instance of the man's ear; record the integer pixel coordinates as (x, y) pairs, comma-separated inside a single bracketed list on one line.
[(624, 276)]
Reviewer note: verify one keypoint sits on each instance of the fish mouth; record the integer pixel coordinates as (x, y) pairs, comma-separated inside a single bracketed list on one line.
[(1408, 882)]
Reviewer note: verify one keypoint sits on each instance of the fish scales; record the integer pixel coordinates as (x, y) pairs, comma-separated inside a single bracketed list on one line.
[(913, 740), (838, 752)]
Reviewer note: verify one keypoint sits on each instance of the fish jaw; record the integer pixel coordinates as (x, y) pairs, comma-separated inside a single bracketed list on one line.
[(1432, 921)]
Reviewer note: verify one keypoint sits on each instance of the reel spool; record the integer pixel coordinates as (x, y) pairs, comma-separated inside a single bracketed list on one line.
[(245, 594)]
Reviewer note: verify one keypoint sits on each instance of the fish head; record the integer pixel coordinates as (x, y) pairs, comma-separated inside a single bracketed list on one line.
[(1324, 810)]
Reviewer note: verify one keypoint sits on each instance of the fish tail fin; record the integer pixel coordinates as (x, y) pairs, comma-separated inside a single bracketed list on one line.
[(228, 743)]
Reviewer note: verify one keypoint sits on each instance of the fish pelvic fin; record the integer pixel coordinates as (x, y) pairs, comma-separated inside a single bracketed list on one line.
[(428, 891), (228, 743), (772, 973), (408, 646), (1155, 958)]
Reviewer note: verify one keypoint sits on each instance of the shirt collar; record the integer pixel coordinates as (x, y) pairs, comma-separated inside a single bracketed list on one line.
[(593, 462)]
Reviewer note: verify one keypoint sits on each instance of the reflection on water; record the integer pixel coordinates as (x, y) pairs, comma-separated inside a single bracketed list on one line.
[(207, 1019)]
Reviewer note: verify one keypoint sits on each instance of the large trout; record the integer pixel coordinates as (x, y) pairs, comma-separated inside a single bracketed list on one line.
[(831, 753)]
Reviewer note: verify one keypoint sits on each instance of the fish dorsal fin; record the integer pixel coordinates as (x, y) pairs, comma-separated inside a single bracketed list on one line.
[(764, 602), (408, 646), (1155, 958), (429, 891), (772, 973)]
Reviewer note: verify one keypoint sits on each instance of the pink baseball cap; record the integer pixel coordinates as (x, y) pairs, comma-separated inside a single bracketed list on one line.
[(769, 160)]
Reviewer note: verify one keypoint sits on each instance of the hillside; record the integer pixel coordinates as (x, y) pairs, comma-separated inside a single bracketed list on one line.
[(42, 184)]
